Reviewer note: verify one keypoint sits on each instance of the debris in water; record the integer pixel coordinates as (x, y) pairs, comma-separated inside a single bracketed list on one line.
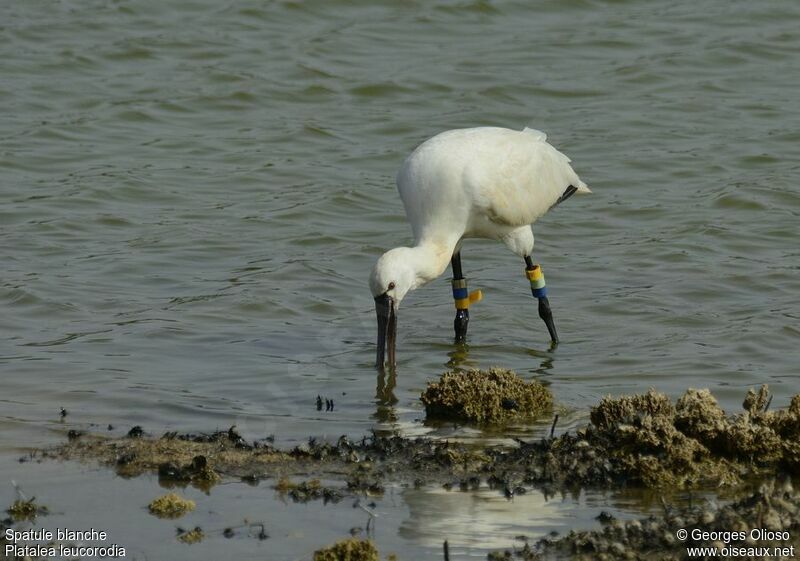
[(136, 432), (193, 536), (307, 490), (198, 472), (23, 509)]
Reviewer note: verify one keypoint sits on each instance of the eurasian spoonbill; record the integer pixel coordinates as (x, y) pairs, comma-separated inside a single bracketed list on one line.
[(485, 182)]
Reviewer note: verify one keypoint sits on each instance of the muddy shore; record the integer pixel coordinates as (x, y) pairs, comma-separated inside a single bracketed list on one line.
[(643, 440)]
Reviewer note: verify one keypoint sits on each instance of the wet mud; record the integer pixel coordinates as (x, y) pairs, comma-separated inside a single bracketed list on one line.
[(645, 440), (766, 520)]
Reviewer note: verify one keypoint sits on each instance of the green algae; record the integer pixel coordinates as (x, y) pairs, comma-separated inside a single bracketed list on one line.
[(179, 460), (198, 472), (639, 434), (352, 549), (493, 396), (193, 536), (171, 505), (26, 509), (305, 491), (644, 440), (660, 444)]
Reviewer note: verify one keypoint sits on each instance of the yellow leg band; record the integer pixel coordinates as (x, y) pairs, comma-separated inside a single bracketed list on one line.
[(534, 274), (474, 296)]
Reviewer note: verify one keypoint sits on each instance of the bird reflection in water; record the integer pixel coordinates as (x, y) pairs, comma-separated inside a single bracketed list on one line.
[(385, 398)]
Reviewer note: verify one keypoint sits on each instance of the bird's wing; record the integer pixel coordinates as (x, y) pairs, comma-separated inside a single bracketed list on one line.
[(515, 177)]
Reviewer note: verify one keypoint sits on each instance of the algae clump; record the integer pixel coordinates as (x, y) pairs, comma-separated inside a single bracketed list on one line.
[(661, 444), (171, 506), (489, 396), (351, 549), (192, 536), (25, 510), (307, 490), (198, 472), (649, 440)]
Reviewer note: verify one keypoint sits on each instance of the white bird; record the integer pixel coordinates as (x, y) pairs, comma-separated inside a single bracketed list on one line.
[(485, 182)]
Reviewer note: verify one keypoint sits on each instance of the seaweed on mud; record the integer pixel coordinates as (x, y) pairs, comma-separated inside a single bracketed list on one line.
[(171, 506), (646, 440), (485, 397), (179, 459), (307, 491), (198, 472), (352, 549), (193, 536), (29, 509), (638, 434), (639, 440), (698, 415)]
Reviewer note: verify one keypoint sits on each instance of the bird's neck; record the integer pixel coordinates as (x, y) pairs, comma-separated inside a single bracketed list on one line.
[(430, 258)]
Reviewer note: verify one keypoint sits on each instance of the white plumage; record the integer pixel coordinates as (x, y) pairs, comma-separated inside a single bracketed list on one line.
[(485, 182)]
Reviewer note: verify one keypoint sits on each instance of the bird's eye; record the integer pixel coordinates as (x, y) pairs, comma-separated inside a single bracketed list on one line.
[(391, 286)]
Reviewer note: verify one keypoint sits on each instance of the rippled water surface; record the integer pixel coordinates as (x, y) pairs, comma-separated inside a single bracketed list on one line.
[(193, 194)]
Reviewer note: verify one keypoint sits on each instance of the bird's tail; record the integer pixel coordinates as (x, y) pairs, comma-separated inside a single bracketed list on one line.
[(571, 190), (583, 189)]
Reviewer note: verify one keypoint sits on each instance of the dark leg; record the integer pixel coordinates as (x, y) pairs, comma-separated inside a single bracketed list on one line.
[(459, 294), (538, 289)]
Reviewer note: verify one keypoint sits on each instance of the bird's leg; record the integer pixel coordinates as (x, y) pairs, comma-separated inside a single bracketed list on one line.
[(535, 275), (461, 297)]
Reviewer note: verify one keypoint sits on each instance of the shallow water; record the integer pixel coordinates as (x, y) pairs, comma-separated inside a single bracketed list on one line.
[(409, 522), (193, 194)]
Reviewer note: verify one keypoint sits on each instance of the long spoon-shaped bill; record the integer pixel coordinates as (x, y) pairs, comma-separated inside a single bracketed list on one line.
[(387, 330)]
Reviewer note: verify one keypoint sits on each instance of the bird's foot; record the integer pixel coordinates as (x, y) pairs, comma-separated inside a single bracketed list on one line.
[(460, 325)]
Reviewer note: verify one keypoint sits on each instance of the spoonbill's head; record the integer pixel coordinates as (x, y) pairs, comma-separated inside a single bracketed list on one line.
[(392, 277)]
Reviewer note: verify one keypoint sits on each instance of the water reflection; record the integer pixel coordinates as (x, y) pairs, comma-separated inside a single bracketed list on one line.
[(482, 519), (547, 359), (385, 397), (387, 381), (458, 358), (477, 520)]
